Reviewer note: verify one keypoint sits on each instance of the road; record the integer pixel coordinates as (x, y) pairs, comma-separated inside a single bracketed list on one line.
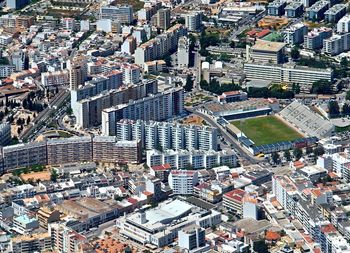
[(43, 116), (243, 153)]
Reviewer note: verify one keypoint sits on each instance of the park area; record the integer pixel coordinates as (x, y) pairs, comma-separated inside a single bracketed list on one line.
[(266, 130)]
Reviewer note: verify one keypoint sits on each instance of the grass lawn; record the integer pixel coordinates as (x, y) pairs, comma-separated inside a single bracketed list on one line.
[(266, 130)]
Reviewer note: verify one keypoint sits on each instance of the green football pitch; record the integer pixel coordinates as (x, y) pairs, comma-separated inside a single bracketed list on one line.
[(266, 130)]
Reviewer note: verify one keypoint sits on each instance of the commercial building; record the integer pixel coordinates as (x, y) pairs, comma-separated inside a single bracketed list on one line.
[(267, 52), (295, 34), (182, 182), (183, 52), (336, 44), (159, 46), (233, 201), (232, 96), (182, 159), (7, 70), (343, 25), (162, 18), (39, 242), (122, 13), (193, 21), (317, 11), (159, 107), (25, 225), (160, 226), (16, 4), (295, 9), (166, 135), (314, 39), (276, 8), (65, 239), (335, 13), (5, 134), (192, 239), (46, 215), (287, 73)]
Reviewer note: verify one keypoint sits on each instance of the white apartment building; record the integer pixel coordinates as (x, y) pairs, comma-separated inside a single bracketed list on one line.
[(183, 52), (166, 135), (182, 159), (295, 34), (336, 44), (122, 13), (286, 73), (54, 79), (343, 25), (193, 21), (182, 182), (131, 74)]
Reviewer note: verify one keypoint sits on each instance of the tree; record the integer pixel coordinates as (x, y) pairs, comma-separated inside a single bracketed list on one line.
[(321, 87), (287, 155), (275, 157), (309, 150), (294, 53), (28, 120), (319, 151), (167, 59), (189, 83), (296, 88), (333, 108), (54, 175), (298, 153), (345, 109), (344, 63)]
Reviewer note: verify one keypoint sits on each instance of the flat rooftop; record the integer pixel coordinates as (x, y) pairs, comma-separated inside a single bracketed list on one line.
[(268, 46)]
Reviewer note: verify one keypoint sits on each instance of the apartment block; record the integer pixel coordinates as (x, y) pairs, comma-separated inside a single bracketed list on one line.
[(193, 21), (314, 39), (335, 13), (276, 8), (294, 9), (5, 134), (182, 182), (317, 11), (75, 149), (287, 73), (267, 52), (55, 79), (343, 25), (122, 13), (196, 159), (39, 242), (336, 44), (166, 135), (156, 107), (295, 34)]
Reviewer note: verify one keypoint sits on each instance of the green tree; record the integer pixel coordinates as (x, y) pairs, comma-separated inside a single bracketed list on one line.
[(319, 151), (321, 87), (294, 53), (347, 97), (309, 150), (287, 155), (298, 153), (344, 63), (53, 175), (189, 83), (333, 108), (296, 88), (345, 109)]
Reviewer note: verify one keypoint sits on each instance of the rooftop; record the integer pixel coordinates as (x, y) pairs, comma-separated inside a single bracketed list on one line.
[(263, 45)]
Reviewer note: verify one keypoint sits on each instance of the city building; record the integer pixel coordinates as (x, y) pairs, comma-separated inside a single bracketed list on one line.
[(160, 226), (158, 107), (166, 135), (336, 44), (192, 239), (233, 201), (159, 46), (154, 67), (74, 149), (335, 13), (295, 34), (55, 79), (64, 239), (343, 25), (162, 18), (294, 9), (287, 73), (267, 52), (77, 72), (314, 39), (276, 8), (317, 11), (16, 4), (46, 215), (182, 182), (38, 242), (5, 134), (129, 45), (7, 70), (232, 96), (193, 21), (121, 13), (183, 52), (25, 225), (182, 159)]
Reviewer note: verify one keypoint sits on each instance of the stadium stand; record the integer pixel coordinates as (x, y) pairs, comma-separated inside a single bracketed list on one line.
[(307, 121)]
